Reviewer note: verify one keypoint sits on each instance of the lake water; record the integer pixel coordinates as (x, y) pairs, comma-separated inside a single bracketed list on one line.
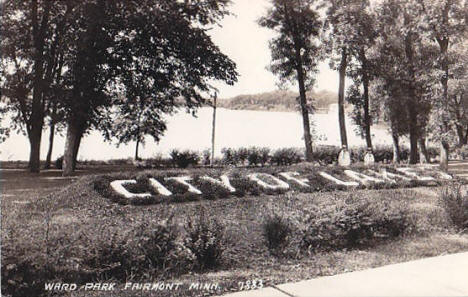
[(234, 128)]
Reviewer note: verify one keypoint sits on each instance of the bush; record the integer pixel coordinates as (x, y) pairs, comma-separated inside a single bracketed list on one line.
[(353, 223), (326, 154), (253, 156), (159, 249), (455, 203), (59, 162), (382, 153), (287, 156), (264, 155), (241, 155), (276, 232), (206, 157), (206, 240), (228, 156), (183, 159)]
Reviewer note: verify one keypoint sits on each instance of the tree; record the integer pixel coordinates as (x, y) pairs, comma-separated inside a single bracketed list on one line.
[(135, 118), (458, 91), (295, 51), (402, 60), (31, 45), (446, 21), (349, 32), (156, 53)]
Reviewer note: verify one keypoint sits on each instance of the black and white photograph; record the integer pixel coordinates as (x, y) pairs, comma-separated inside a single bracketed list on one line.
[(233, 148)]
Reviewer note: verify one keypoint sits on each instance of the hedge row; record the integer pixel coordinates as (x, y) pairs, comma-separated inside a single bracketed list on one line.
[(262, 156)]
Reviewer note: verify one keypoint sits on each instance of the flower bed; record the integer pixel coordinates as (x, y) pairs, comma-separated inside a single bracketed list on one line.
[(190, 185)]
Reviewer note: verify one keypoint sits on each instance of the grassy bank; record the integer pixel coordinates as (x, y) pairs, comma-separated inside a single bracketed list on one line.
[(76, 235)]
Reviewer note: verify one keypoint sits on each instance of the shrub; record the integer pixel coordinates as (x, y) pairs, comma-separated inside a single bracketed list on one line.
[(159, 249), (464, 152), (353, 223), (183, 159), (206, 157), (144, 249), (382, 153), (276, 232), (253, 156), (206, 240), (228, 156), (326, 154), (59, 162), (287, 156), (455, 203), (241, 155), (112, 256), (264, 155)]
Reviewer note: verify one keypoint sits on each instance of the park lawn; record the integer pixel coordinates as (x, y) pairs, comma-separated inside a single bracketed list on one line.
[(54, 230)]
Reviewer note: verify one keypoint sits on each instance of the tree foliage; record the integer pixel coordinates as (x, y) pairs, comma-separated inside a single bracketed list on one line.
[(295, 51)]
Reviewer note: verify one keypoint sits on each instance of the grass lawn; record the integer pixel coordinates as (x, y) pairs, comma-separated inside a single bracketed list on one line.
[(65, 236)]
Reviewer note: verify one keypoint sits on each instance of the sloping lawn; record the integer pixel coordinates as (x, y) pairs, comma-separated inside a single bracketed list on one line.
[(75, 235)]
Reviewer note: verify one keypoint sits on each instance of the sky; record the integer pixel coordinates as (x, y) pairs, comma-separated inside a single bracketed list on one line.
[(246, 43)]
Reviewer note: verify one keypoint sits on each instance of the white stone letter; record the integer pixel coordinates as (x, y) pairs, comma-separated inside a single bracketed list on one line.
[(410, 172), (159, 187), (184, 180), (118, 186), (290, 176), (224, 182), (382, 175), (362, 178), (389, 175), (279, 184), (337, 181)]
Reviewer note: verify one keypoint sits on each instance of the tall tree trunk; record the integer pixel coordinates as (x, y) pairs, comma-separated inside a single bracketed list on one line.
[(76, 148), (341, 90), (35, 144), (413, 131), (444, 154), (367, 118), (51, 146), (37, 107), (461, 135), (304, 109), (137, 158), (72, 143), (423, 154), (365, 85), (413, 126), (443, 41), (213, 130), (300, 79), (465, 139), (305, 122), (413, 157), (396, 148)]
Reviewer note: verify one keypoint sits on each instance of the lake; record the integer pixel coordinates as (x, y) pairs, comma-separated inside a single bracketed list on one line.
[(234, 128)]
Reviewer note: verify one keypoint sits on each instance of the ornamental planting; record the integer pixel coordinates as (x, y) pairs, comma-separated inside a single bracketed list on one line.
[(213, 184)]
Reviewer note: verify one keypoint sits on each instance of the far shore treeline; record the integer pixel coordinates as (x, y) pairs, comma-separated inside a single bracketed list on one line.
[(280, 100)]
